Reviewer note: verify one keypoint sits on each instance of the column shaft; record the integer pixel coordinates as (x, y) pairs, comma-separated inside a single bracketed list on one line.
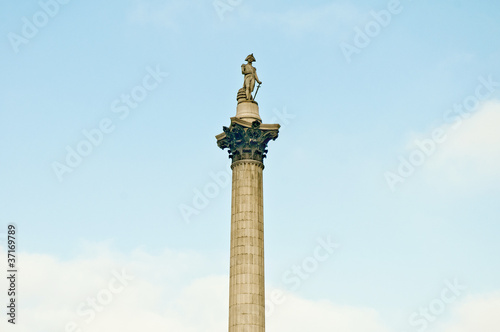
[(246, 286)]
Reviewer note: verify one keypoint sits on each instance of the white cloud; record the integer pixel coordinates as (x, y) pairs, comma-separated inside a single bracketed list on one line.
[(465, 154), (171, 291), (475, 313), (297, 315), (470, 155), (51, 291)]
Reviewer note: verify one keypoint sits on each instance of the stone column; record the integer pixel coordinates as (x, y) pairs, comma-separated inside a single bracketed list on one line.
[(247, 144), (246, 285)]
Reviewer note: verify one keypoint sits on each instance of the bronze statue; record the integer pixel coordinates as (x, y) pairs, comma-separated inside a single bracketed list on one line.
[(250, 73)]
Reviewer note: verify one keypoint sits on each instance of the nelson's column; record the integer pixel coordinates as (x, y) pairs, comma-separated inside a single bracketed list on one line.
[(246, 139)]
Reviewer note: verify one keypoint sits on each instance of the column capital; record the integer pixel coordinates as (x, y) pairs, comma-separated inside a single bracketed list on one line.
[(247, 140)]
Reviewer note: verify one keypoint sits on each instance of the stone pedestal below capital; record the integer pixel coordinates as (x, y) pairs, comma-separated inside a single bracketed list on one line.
[(248, 111)]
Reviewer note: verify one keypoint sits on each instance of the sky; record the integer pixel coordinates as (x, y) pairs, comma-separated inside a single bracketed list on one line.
[(380, 193)]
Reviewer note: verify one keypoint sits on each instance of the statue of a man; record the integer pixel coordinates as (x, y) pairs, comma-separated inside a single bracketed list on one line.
[(250, 73)]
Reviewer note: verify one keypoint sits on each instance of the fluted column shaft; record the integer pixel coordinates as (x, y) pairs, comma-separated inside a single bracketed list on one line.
[(246, 285)]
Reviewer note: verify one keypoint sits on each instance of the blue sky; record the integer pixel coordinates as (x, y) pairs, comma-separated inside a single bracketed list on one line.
[(391, 150)]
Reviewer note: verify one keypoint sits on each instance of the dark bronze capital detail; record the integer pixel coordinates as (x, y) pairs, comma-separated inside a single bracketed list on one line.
[(246, 142)]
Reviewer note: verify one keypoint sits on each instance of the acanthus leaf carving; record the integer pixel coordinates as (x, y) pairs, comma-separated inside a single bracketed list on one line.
[(247, 143)]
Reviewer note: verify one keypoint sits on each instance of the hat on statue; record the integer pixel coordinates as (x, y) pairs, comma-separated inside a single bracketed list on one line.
[(250, 58)]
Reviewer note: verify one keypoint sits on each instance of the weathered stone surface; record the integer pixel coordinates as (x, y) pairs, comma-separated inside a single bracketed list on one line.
[(246, 285)]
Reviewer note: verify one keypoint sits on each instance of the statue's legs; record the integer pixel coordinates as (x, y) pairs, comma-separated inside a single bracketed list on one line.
[(249, 85), (252, 86)]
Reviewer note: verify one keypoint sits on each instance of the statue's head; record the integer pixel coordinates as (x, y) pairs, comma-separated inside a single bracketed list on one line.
[(250, 58)]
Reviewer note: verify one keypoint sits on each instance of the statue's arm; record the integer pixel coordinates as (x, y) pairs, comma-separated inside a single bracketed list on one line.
[(255, 75)]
